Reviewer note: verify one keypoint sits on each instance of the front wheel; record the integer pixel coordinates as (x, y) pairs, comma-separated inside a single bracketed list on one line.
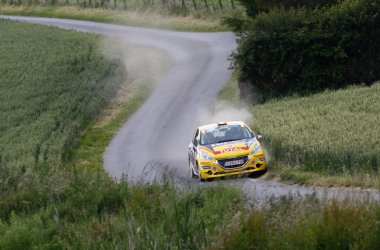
[(193, 175), (259, 173), (199, 174)]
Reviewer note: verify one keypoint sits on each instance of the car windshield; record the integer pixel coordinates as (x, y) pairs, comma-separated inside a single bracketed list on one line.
[(224, 134)]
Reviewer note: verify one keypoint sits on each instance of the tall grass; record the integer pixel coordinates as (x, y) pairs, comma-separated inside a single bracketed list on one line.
[(331, 133), (85, 210), (307, 224)]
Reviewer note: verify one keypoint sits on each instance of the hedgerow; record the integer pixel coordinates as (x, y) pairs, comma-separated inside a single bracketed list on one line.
[(304, 51)]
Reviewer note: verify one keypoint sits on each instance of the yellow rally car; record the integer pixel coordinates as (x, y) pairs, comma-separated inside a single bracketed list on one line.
[(225, 149)]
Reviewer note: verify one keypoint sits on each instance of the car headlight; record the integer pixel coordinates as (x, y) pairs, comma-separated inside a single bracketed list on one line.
[(205, 156), (256, 149), (251, 141)]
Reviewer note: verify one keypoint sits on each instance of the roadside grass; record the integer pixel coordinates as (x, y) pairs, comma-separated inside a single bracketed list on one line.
[(86, 210), (290, 223), (295, 175), (230, 92), (147, 18)]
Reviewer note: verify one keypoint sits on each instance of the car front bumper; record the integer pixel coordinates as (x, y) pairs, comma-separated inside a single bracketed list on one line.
[(211, 169)]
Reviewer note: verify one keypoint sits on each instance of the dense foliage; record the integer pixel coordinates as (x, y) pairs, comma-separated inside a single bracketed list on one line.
[(329, 133), (253, 7), (287, 4), (304, 51), (53, 82)]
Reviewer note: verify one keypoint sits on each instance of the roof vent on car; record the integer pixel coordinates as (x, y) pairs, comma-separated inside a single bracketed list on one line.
[(222, 123)]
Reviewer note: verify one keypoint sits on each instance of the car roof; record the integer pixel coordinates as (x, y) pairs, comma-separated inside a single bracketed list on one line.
[(214, 125)]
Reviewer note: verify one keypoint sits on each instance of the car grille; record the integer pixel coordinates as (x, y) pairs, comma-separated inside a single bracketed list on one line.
[(223, 162)]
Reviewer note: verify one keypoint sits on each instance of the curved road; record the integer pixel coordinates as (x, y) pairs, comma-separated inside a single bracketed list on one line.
[(155, 138)]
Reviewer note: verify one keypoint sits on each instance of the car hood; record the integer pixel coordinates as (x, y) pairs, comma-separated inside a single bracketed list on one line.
[(232, 149)]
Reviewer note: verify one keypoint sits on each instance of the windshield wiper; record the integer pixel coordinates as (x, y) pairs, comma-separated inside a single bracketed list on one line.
[(232, 140), (226, 141)]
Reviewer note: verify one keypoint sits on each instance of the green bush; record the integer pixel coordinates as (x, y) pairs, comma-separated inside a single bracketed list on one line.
[(305, 51), (287, 4), (34, 232), (238, 23)]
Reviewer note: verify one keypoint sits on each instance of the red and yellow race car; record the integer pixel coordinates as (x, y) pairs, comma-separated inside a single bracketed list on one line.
[(225, 149)]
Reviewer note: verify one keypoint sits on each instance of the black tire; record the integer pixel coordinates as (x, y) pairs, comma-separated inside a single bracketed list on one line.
[(258, 174), (199, 174), (193, 175)]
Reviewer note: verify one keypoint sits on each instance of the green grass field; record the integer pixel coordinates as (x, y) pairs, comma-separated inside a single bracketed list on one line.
[(335, 133), (53, 82)]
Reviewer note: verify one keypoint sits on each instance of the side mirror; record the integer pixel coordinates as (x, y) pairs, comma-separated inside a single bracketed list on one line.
[(190, 145), (259, 137)]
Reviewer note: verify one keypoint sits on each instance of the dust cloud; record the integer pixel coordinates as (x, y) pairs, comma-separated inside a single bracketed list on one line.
[(144, 65), (224, 111)]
